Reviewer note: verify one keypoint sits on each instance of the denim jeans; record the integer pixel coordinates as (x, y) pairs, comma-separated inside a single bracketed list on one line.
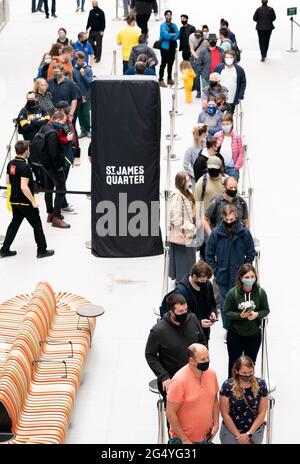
[(232, 172), (196, 68), (82, 4), (227, 438)]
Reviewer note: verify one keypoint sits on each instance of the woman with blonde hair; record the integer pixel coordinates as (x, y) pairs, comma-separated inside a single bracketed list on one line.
[(181, 227), (200, 132), (44, 97), (243, 405)]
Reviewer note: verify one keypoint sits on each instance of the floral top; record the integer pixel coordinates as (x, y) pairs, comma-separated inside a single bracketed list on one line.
[(241, 415)]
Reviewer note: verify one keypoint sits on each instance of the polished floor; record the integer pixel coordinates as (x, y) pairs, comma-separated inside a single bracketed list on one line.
[(113, 403)]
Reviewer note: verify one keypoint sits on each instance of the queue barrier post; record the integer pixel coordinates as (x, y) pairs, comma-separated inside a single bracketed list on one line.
[(117, 12), (161, 438)]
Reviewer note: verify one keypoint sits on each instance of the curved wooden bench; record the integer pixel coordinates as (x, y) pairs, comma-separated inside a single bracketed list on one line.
[(43, 365)]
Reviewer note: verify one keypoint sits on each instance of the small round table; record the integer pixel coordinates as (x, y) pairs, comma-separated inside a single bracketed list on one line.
[(89, 310)]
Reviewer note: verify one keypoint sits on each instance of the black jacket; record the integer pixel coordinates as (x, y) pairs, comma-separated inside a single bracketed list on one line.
[(53, 156), (30, 120), (166, 349), (200, 165), (96, 20), (264, 17), (184, 34)]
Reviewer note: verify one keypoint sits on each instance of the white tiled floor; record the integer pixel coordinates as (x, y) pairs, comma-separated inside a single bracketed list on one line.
[(114, 404)]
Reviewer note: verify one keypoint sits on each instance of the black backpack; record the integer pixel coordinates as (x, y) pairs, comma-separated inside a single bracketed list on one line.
[(236, 49), (38, 150)]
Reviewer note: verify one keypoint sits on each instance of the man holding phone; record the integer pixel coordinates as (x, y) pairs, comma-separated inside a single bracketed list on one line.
[(198, 292)]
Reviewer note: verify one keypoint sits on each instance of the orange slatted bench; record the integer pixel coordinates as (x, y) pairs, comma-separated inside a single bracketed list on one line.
[(42, 357)]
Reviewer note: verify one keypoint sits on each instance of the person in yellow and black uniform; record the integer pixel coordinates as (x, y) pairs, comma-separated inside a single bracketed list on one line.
[(23, 202)]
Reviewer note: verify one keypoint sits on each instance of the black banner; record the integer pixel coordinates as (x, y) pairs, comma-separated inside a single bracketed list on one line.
[(126, 128)]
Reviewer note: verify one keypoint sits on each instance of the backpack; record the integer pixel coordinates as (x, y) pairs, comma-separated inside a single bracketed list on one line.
[(38, 152), (236, 49)]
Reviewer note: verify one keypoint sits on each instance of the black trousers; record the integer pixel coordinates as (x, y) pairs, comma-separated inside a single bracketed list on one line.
[(264, 41), (142, 22), (38, 7), (95, 40), (53, 7), (33, 217), (238, 345), (155, 7), (186, 55), (54, 178), (167, 58)]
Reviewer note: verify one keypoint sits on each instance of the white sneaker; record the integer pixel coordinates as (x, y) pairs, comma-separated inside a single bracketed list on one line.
[(225, 337), (76, 161), (69, 209), (77, 9)]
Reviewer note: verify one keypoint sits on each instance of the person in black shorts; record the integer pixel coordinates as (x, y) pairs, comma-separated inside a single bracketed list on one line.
[(23, 202)]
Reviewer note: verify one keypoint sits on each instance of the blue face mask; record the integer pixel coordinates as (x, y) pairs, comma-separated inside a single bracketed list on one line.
[(248, 282), (226, 128), (211, 110)]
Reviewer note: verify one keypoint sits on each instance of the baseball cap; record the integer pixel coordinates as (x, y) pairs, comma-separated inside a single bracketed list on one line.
[(214, 162)]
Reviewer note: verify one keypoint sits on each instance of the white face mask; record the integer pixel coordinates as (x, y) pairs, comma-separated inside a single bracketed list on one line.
[(229, 61)]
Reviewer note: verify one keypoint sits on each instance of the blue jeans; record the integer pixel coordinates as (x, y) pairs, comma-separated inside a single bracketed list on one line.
[(232, 172), (82, 3), (125, 66), (224, 289), (196, 68)]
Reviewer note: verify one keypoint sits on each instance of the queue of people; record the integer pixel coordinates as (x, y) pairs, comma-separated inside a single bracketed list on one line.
[(207, 214)]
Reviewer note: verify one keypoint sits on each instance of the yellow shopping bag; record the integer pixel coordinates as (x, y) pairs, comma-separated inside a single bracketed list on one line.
[(8, 193)]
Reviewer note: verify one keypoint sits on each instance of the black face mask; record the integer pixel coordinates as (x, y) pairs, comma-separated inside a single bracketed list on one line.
[(201, 284), (231, 193), (31, 103), (180, 317), (213, 83), (183, 23), (203, 366), (246, 378), (214, 172), (213, 43), (230, 225)]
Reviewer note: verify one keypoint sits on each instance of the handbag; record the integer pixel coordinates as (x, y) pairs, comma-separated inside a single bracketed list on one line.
[(157, 45), (249, 407)]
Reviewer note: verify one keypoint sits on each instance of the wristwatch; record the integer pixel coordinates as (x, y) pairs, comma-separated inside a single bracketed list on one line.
[(249, 434)]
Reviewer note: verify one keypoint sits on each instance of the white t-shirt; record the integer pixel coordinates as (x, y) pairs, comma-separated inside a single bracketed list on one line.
[(229, 80), (226, 152)]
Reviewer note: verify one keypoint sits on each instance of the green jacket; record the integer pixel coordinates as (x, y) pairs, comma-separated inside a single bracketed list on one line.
[(240, 326)]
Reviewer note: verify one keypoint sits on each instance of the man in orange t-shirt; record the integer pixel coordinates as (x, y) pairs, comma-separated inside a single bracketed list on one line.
[(192, 400)]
